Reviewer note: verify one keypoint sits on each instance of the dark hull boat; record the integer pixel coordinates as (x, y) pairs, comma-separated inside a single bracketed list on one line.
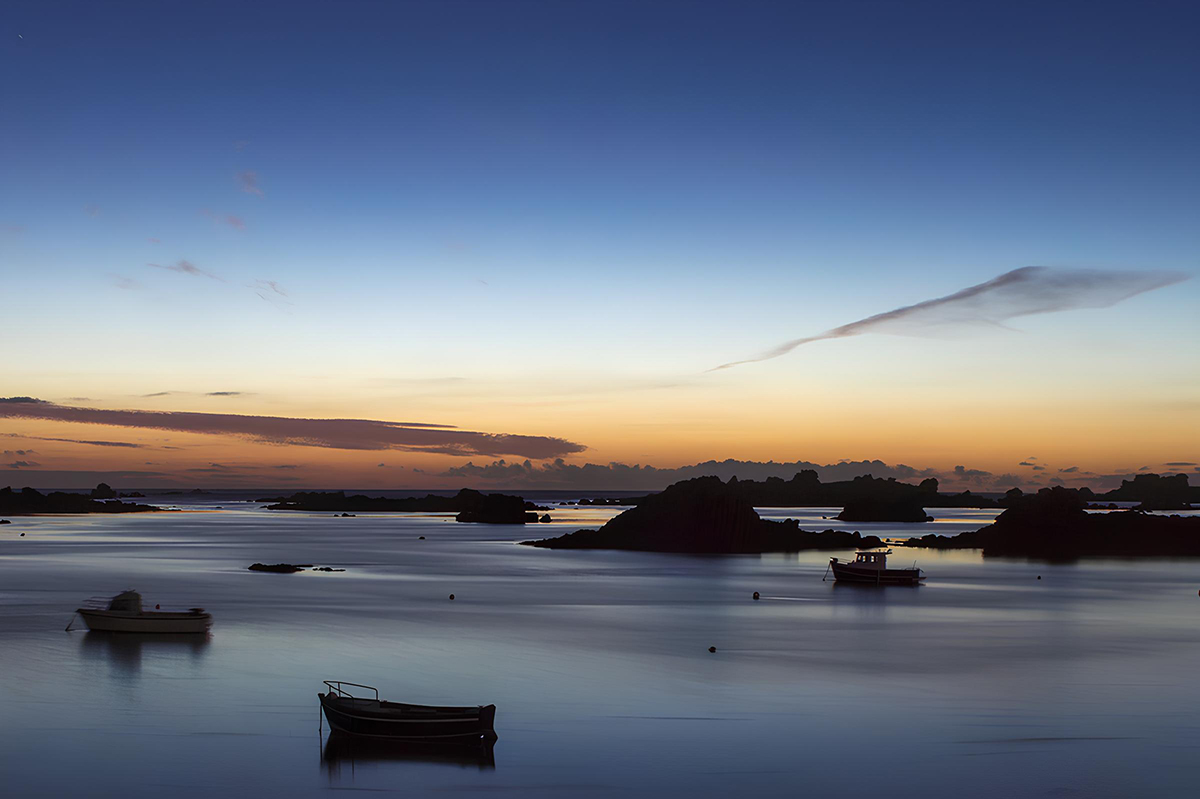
[(870, 568), (398, 721)]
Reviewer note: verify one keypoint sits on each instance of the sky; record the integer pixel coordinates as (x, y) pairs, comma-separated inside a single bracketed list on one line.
[(541, 226)]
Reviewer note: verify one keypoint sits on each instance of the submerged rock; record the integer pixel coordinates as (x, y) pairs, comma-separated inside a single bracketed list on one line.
[(275, 568)]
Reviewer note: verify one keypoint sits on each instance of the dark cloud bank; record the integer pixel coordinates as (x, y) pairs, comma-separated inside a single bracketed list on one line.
[(620, 476), (356, 434)]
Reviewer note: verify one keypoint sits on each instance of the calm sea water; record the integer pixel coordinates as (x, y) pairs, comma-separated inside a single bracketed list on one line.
[(984, 682)]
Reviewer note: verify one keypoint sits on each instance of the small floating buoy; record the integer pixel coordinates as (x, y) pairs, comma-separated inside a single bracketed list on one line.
[(158, 607), (712, 649), (420, 538), (452, 596), (22, 535), (1039, 576), (756, 595)]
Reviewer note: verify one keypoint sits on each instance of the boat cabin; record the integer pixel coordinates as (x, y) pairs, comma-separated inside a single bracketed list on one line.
[(871, 560)]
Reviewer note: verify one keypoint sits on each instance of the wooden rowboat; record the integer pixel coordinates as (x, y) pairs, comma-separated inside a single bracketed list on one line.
[(399, 721)]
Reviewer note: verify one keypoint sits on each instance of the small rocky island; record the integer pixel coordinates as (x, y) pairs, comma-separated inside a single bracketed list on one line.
[(864, 499), (1053, 524), (894, 509), (1156, 492), (468, 504), (29, 500), (702, 516)]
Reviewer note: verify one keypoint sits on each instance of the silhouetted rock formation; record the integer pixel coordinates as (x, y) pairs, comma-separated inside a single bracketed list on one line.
[(702, 515), (1155, 492), (132, 495), (275, 568), (877, 510), (28, 500), (103, 491), (805, 490), (470, 505), (1054, 525)]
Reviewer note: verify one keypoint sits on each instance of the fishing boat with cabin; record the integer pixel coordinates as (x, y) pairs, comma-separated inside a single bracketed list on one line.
[(870, 568), (123, 613)]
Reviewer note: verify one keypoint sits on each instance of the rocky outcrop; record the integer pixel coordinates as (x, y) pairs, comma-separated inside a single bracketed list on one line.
[(1155, 492), (703, 516), (894, 510), (1054, 525), (470, 505), (275, 568), (805, 490), (28, 500)]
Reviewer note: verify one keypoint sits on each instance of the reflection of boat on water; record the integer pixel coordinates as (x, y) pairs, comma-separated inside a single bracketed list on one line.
[(870, 568), (344, 749), (125, 651), (123, 613), (376, 718)]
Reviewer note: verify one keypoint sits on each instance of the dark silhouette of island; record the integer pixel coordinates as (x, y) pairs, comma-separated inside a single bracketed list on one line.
[(863, 499), (1155, 492), (702, 516), (289, 568), (470, 505), (1053, 524), (28, 500)]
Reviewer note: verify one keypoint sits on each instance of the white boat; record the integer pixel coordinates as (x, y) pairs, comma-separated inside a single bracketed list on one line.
[(123, 613), (871, 568)]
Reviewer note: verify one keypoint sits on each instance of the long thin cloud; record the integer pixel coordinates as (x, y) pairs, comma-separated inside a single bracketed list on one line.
[(186, 268), (355, 434), (1021, 292)]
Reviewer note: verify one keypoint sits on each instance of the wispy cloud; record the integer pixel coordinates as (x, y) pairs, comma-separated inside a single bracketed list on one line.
[(22, 465), (187, 268), (225, 393), (14, 229), (20, 453), (270, 291), (1021, 292), (123, 444), (123, 282), (153, 240), (352, 434), (234, 222), (92, 210), (248, 181)]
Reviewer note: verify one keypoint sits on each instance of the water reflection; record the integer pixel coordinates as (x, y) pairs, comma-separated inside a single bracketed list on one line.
[(125, 652), (342, 754)]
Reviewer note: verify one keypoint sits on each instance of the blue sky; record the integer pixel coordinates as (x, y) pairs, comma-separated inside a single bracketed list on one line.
[(467, 188)]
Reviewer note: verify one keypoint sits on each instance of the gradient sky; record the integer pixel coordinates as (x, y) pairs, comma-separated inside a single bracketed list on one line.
[(550, 219)]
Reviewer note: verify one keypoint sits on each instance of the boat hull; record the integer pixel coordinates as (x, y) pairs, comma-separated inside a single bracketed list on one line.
[(118, 621), (374, 719), (847, 573)]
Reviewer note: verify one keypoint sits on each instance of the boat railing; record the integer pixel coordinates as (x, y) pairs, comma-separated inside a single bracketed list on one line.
[(336, 685)]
